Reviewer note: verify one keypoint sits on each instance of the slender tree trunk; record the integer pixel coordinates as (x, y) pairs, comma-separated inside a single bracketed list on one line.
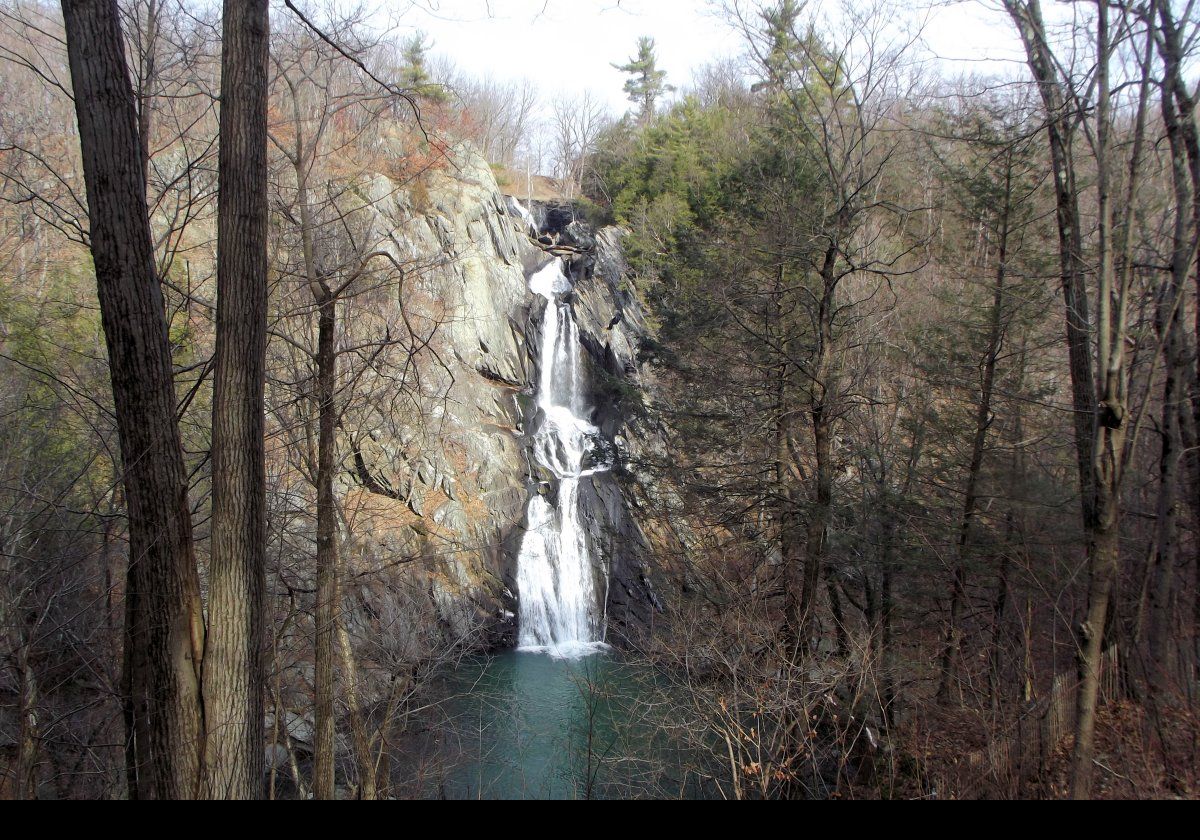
[(1104, 545), (1162, 582), (983, 421), (1171, 50), (891, 569), (327, 553), (839, 617), (1111, 420), (234, 658), (1104, 552), (1059, 129), (358, 727), (785, 501), (821, 412), (818, 521), (383, 768), (1013, 527), (1170, 328), (887, 614), (1099, 401), (999, 606), (325, 617), (27, 729), (165, 632), (146, 49)]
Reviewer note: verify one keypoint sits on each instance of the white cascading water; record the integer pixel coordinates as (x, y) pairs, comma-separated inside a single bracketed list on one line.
[(560, 611)]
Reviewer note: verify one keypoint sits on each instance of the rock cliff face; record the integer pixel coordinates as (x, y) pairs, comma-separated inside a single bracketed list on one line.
[(437, 476)]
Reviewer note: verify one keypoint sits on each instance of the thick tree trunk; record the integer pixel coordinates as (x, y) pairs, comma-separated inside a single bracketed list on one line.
[(165, 633), (234, 657)]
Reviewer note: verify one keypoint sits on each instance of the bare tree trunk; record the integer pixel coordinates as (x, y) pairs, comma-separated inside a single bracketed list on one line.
[(145, 51), (327, 553), (27, 730), (1100, 422), (234, 658), (1170, 327), (818, 520), (1059, 128), (1162, 584), (1104, 545), (999, 606), (303, 159), (1111, 421), (1013, 527), (1172, 51), (165, 632), (821, 412), (785, 502), (1103, 549), (983, 421), (840, 633), (358, 729), (887, 615)]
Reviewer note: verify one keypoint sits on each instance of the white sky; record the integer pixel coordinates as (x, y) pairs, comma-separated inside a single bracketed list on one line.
[(570, 45)]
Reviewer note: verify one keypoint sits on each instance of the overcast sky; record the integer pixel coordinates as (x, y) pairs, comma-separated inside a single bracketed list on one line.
[(570, 45)]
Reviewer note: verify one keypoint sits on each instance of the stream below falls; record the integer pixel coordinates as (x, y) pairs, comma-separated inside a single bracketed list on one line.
[(527, 725)]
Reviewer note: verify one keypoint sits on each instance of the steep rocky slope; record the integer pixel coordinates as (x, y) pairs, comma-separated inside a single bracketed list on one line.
[(436, 482)]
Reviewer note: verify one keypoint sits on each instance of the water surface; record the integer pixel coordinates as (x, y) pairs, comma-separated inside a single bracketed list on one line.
[(526, 725)]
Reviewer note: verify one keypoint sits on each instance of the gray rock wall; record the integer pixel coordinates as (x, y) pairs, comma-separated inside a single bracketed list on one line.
[(439, 468)]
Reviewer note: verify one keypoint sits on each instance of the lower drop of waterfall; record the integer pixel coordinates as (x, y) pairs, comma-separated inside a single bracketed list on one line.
[(560, 612)]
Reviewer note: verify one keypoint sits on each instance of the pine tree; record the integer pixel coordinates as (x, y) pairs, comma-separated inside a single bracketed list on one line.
[(646, 83), (414, 72), (779, 24)]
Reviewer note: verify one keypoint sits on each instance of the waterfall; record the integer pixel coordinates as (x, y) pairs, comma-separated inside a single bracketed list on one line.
[(560, 612)]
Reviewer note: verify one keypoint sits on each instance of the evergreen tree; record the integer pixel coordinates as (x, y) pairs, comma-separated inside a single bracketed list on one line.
[(779, 24), (646, 83), (414, 71)]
